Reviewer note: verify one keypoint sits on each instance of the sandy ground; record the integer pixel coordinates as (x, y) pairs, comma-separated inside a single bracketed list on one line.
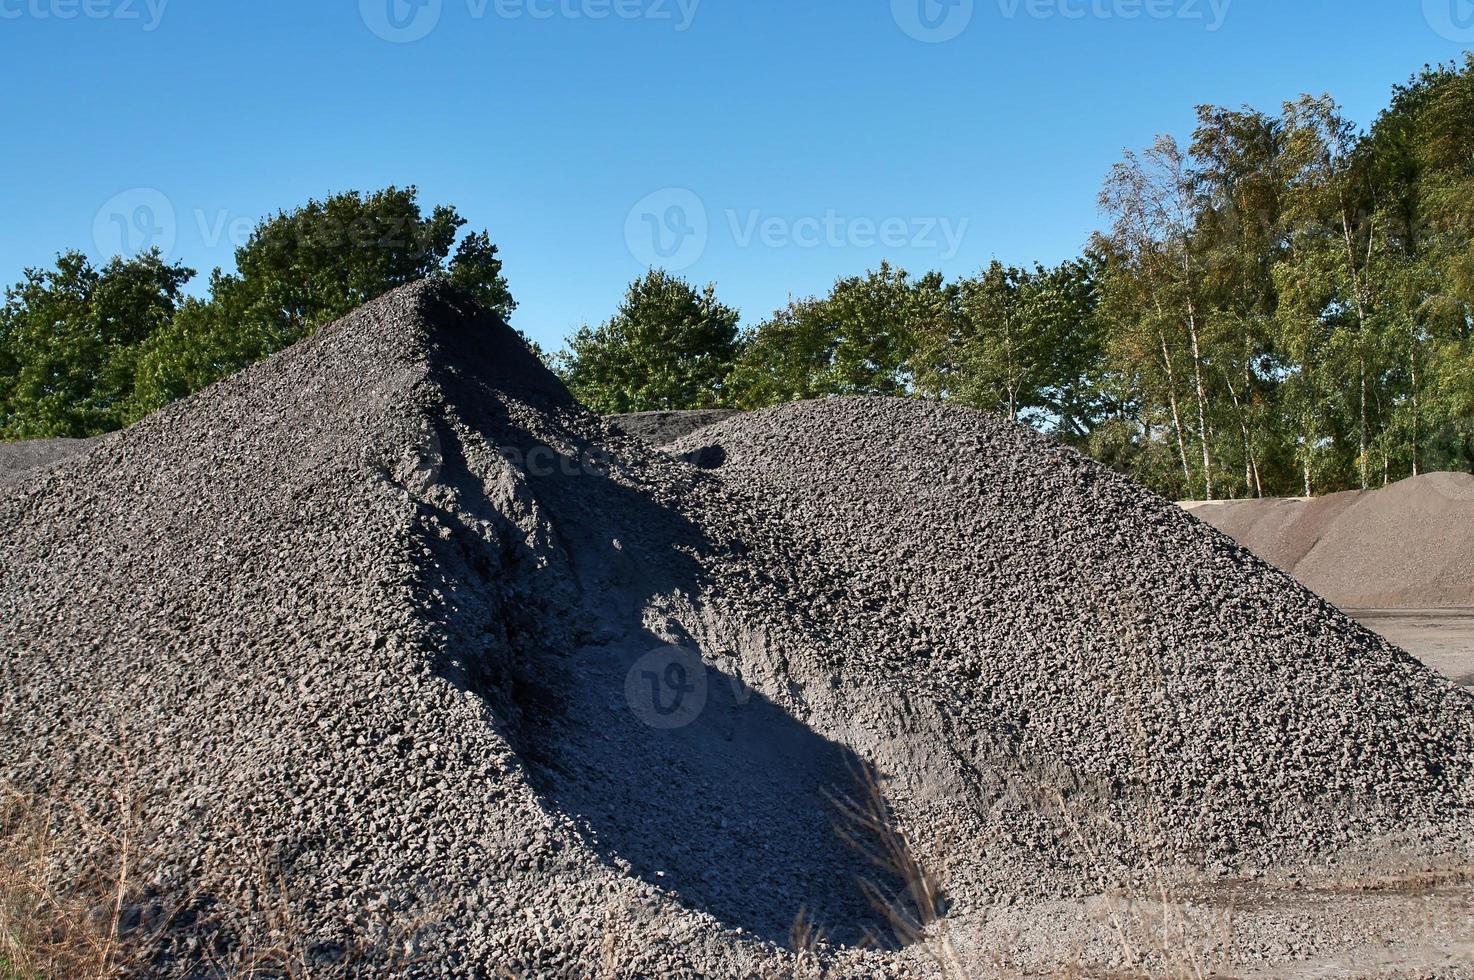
[(1441, 638)]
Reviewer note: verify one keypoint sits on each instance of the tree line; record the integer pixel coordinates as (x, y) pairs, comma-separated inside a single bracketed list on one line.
[(1280, 305), (86, 349)]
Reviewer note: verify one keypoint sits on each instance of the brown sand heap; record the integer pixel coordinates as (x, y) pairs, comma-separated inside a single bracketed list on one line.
[(386, 652), (1406, 546)]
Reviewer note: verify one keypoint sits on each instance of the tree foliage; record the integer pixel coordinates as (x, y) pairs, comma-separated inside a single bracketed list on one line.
[(1283, 305), (70, 340), (668, 346), (85, 350)]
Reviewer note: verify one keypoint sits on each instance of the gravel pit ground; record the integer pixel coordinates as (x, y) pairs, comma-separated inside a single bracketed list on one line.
[(1441, 638), (387, 651)]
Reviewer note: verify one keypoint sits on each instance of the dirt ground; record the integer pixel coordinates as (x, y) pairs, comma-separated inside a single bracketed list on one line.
[(1441, 638)]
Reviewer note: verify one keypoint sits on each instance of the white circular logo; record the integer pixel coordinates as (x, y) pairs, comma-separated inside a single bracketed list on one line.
[(668, 229), (666, 688), (933, 21), (401, 21), (1452, 19), (134, 222)]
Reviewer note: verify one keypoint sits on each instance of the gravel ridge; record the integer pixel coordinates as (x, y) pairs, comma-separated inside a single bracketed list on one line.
[(1405, 546)]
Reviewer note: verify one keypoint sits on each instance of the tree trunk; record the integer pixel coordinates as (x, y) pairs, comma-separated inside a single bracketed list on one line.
[(1202, 396), (1417, 422), (1361, 331), (1187, 474)]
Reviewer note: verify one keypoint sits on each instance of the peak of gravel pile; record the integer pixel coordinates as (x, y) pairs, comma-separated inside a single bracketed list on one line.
[(387, 652), (1406, 546)]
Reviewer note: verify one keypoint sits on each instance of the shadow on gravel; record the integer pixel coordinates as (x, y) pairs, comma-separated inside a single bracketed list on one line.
[(731, 810), (678, 773)]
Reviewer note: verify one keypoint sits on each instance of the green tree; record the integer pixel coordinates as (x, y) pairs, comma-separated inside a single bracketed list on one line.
[(70, 338), (877, 320), (786, 357), (667, 347), (869, 336), (986, 355), (1072, 392), (305, 268)]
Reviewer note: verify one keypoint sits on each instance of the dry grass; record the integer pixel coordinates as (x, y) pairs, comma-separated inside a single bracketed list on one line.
[(53, 925), (915, 913), (61, 921)]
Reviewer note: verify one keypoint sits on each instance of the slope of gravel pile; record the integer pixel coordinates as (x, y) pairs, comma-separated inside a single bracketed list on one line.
[(18, 458), (664, 428), (1406, 546), (386, 652), (1066, 630)]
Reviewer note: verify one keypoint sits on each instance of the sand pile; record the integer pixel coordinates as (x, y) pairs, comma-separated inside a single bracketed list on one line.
[(397, 655), (1406, 546)]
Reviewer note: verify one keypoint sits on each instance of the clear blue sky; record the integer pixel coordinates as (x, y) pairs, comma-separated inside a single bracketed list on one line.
[(816, 137)]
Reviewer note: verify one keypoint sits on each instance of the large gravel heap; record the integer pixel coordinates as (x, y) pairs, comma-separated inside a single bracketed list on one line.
[(397, 653), (1405, 546)]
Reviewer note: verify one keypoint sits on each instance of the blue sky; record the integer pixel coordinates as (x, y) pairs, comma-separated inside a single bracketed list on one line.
[(767, 146)]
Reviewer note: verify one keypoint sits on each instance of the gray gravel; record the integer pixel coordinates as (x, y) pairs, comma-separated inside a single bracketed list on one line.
[(390, 634), (664, 428), (19, 458)]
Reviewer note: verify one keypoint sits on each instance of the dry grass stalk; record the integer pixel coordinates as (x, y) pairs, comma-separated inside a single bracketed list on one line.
[(915, 915)]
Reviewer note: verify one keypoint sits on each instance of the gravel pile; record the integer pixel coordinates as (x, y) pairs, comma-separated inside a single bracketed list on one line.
[(664, 428), (386, 652), (1406, 546)]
